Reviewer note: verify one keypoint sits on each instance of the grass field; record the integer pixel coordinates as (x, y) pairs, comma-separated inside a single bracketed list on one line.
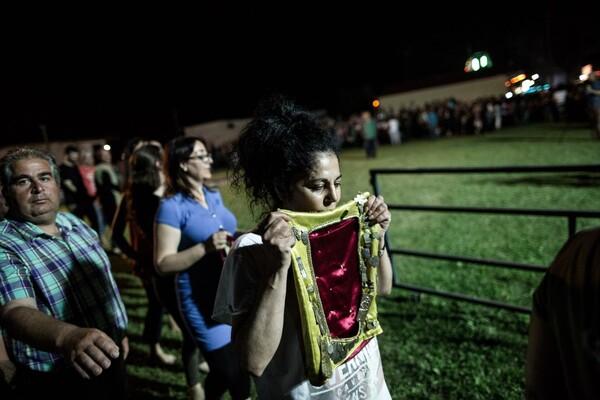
[(435, 348)]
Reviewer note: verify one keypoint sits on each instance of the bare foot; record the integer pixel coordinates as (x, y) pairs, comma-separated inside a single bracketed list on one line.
[(159, 355), (196, 392), (173, 325), (203, 367)]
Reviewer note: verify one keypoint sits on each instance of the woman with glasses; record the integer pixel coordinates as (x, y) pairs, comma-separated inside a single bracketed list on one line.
[(192, 231), (135, 216)]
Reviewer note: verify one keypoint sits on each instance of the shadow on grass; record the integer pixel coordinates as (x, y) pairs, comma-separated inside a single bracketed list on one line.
[(151, 380), (558, 180), (454, 320), (148, 380), (143, 388)]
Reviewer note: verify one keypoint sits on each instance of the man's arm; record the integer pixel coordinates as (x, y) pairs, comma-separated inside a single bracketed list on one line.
[(68, 183), (88, 350)]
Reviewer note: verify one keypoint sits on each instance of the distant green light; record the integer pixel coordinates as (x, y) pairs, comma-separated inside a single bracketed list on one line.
[(477, 61)]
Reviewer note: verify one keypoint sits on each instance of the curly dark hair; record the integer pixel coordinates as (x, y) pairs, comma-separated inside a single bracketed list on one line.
[(278, 147)]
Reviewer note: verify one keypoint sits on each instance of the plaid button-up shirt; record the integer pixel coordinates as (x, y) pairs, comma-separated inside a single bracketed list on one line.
[(70, 279)]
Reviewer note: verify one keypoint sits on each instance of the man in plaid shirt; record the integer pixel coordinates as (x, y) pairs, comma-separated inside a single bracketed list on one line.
[(62, 317)]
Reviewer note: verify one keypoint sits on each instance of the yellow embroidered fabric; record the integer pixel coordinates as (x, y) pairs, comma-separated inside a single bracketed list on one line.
[(323, 350)]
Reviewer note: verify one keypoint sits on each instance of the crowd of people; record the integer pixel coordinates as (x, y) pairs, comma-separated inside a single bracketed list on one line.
[(253, 306), (451, 117), (91, 188), (135, 215), (447, 117)]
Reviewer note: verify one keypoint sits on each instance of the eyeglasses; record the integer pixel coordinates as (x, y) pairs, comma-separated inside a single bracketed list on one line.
[(205, 158)]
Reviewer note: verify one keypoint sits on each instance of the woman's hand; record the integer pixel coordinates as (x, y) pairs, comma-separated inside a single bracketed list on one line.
[(217, 242), (378, 213), (278, 239)]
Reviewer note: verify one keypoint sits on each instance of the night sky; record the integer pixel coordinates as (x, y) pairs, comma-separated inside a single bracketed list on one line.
[(88, 71)]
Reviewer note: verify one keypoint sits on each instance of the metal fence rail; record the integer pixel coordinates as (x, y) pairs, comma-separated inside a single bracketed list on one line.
[(570, 215)]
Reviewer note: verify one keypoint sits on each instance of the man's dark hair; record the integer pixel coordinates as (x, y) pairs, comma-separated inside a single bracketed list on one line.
[(70, 148), (8, 160)]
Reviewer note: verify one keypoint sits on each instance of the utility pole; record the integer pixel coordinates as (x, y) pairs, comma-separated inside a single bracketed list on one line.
[(45, 136)]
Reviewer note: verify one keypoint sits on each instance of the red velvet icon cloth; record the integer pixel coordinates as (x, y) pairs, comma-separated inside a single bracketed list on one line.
[(335, 262)]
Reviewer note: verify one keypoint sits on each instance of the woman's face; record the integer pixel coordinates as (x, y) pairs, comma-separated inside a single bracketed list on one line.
[(198, 164), (320, 190)]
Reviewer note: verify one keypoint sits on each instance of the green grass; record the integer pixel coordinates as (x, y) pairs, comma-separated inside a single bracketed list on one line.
[(436, 348)]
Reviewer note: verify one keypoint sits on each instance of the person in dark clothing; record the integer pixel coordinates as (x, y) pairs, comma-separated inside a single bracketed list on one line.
[(563, 354), (137, 210), (76, 197)]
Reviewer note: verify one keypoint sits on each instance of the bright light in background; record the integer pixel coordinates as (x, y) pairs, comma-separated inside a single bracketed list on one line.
[(586, 71), (375, 103), (477, 61), (106, 147), (526, 84), (521, 85), (517, 78), (483, 61)]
